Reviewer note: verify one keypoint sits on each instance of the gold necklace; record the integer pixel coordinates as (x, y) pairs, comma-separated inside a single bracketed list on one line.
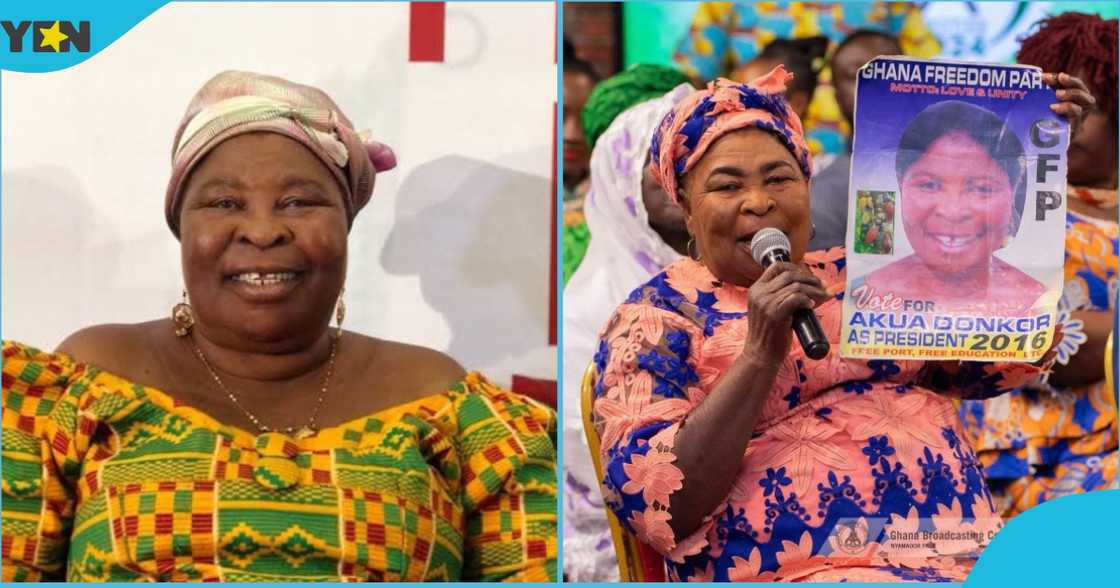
[(303, 432)]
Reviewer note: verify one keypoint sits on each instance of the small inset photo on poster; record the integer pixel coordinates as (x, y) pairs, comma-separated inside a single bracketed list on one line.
[(875, 222)]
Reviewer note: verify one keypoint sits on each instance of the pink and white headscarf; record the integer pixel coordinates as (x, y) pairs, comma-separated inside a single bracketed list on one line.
[(724, 106), (236, 102)]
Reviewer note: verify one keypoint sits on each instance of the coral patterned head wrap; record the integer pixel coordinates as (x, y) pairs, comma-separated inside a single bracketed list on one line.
[(236, 102), (685, 134)]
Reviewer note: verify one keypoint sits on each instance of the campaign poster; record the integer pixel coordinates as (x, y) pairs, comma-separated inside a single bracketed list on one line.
[(956, 212)]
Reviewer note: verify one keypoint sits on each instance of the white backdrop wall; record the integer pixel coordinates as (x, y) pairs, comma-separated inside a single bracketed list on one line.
[(451, 253)]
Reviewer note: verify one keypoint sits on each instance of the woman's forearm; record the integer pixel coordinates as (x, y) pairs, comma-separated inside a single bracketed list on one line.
[(1087, 365), (711, 442)]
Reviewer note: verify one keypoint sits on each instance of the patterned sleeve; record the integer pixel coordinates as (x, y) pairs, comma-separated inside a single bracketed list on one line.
[(645, 362), (509, 485), (975, 379), (43, 441), (703, 51)]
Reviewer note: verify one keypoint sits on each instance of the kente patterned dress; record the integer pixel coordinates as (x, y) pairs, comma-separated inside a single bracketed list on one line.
[(845, 451), (106, 480), (1044, 442)]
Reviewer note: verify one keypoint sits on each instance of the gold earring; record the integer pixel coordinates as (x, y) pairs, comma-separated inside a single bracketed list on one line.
[(340, 311), (182, 318), (688, 248)]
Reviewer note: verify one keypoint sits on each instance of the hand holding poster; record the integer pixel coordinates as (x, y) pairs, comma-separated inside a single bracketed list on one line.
[(956, 212)]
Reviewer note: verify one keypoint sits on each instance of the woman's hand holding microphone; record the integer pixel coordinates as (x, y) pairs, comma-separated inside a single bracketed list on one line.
[(783, 289)]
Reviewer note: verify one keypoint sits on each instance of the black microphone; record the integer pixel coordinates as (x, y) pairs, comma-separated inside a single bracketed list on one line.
[(768, 246)]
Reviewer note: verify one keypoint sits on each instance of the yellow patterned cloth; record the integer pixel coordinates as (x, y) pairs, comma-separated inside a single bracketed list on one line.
[(107, 480)]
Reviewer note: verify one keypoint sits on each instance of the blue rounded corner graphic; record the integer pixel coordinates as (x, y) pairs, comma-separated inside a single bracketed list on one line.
[(1061, 542), (53, 35)]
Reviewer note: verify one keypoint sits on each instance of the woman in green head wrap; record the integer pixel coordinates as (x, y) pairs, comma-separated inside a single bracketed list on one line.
[(636, 84)]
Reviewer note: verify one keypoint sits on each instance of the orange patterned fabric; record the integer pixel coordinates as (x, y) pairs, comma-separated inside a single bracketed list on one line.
[(1044, 442)]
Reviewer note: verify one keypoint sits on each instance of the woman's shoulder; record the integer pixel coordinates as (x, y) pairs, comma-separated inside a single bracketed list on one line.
[(112, 347), (409, 371), (661, 292), (477, 397), (684, 295), (834, 255), (23, 361), (34, 383), (830, 265), (675, 286), (422, 372), (897, 277), (462, 400), (491, 421), (1018, 284), (123, 353), (107, 346), (1015, 277)]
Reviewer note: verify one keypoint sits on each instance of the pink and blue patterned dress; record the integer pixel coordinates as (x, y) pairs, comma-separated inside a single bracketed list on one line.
[(849, 457)]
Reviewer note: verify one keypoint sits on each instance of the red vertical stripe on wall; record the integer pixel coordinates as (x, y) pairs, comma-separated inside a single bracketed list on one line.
[(425, 31)]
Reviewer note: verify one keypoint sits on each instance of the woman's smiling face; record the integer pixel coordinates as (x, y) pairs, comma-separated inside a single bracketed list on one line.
[(263, 238), (746, 181), (956, 205)]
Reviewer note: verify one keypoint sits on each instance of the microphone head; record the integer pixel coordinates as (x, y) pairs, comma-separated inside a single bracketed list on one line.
[(767, 240)]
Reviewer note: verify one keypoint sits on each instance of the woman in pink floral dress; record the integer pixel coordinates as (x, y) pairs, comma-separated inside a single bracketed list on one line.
[(724, 447)]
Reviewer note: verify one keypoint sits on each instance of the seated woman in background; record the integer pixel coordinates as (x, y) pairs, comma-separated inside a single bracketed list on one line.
[(636, 230), (724, 447), (638, 83), (579, 80), (245, 438), (962, 190), (1060, 438)]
